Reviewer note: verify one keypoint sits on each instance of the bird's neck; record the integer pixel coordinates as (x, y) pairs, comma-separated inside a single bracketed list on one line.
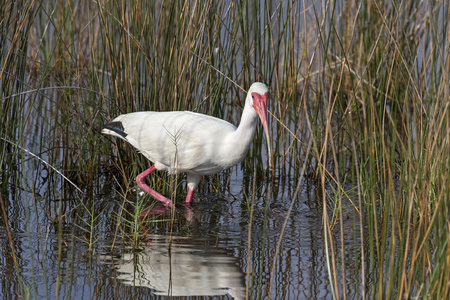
[(238, 143), (246, 129)]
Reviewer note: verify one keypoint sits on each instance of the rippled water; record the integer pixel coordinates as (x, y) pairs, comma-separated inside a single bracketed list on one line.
[(209, 252)]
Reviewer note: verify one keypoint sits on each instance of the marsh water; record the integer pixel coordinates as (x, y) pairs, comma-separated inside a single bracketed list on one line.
[(216, 249)]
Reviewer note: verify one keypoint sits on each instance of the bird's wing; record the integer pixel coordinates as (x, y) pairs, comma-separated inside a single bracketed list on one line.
[(180, 141)]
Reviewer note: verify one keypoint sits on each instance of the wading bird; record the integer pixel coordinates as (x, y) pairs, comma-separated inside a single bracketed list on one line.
[(191, 143)]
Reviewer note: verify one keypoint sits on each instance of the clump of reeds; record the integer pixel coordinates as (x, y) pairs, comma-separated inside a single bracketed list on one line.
[(363, 85), (384, 130)]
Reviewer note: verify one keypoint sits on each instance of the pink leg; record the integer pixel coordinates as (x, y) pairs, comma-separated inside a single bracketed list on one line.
[(189, 196), (140, 179)]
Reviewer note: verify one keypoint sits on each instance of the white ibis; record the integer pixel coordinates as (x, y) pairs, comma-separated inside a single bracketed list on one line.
[(193, 143)]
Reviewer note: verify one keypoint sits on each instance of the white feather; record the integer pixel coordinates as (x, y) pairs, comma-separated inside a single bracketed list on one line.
[(183, 141)]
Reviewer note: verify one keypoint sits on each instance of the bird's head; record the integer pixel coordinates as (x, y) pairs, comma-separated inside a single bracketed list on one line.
[(259, 93)]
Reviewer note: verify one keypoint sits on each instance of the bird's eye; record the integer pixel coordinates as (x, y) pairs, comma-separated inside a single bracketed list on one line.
[(253, 96)]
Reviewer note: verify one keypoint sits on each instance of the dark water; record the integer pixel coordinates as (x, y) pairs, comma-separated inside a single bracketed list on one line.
[(206, 250)]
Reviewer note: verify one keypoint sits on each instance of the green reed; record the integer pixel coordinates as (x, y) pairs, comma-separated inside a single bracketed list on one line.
[(392, 108)]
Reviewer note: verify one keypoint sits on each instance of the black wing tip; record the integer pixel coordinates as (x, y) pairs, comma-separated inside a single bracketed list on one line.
[(117, 127)]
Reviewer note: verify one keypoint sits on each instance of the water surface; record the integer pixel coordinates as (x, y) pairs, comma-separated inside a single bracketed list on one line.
[(206, 250)]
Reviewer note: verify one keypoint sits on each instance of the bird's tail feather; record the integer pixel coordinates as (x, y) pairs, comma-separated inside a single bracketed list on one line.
[(115, 128)]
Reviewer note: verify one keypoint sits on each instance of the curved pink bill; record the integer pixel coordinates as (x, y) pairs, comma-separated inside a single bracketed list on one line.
[(260, 105)]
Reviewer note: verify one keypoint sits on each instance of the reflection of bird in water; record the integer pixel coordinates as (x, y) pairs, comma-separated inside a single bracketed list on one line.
[(189, 269)]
